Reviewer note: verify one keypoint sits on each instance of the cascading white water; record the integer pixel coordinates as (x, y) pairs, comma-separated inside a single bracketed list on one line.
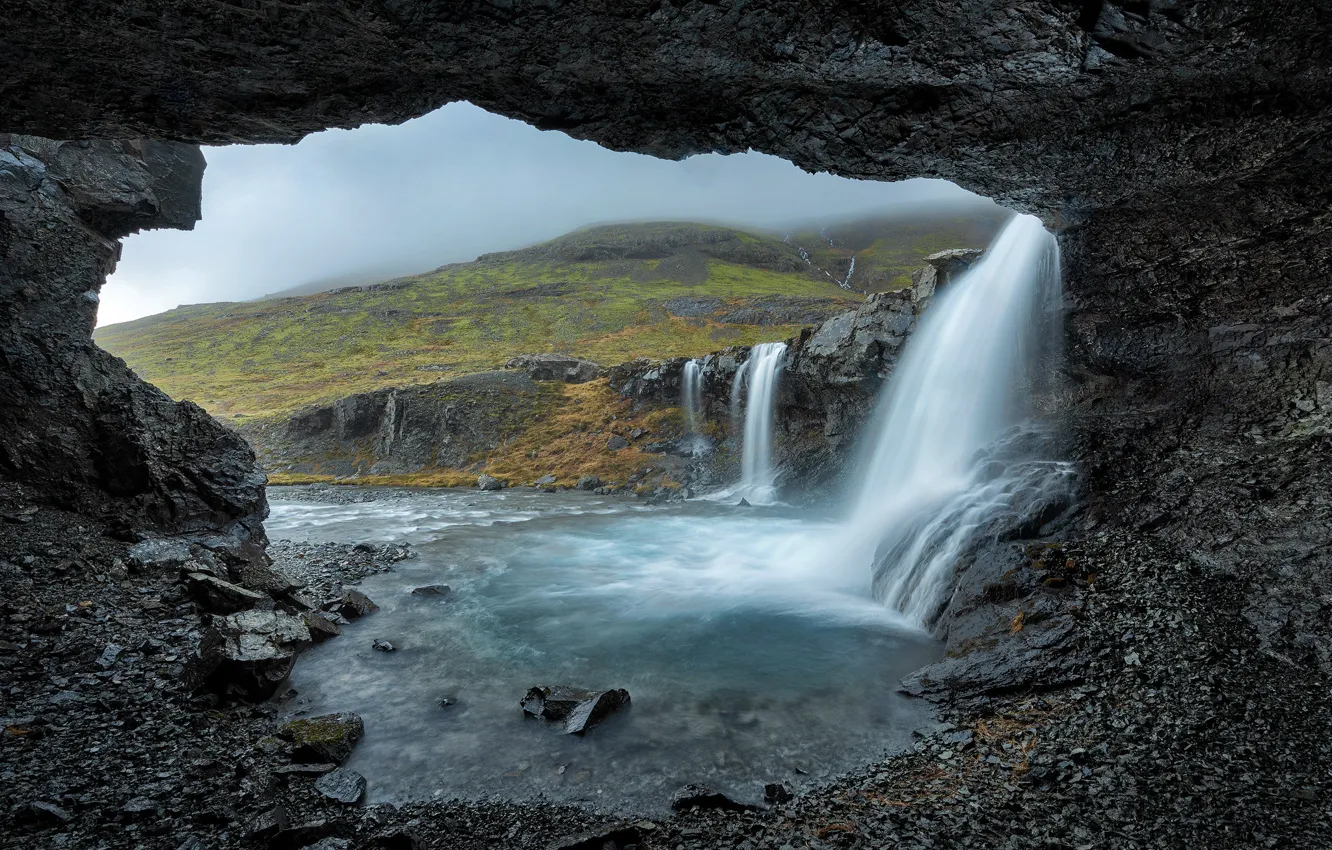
[(757, 381), (947, 455), (692, 401)]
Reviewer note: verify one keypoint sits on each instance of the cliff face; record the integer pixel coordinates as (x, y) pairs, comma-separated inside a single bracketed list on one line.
[(79, 426)]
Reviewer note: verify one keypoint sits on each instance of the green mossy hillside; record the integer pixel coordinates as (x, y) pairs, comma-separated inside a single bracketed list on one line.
[(600, 294)]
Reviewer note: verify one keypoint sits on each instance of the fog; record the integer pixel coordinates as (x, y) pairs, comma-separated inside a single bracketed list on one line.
[(352, 206)]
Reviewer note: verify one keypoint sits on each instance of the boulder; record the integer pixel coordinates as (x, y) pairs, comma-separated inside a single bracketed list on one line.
[(322, 625), (701, 797), (545, 480), (775, 792), (381, 645), (588, 482), (487, 482), (249, 654), (159, 553), (577, 709), (343, 785), (218, 596), (555, 367), (352, 605), (616, 442), (328, 738), (436, 591)]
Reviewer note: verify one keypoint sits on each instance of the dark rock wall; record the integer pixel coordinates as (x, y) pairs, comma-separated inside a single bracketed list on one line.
[(1179, 144), (78, 425), (443, 425)]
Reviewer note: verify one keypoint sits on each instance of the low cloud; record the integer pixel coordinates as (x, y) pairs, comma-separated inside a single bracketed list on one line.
[(357, 205)]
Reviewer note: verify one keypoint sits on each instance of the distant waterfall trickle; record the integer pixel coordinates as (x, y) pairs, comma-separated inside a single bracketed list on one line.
[(757, 380), (950, 458), (692, 401)]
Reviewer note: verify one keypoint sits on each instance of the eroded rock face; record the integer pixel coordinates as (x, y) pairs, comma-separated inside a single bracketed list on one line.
[(79, 425), (407, 429)]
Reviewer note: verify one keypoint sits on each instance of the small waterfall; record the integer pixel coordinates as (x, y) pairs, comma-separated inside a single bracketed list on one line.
[(846, 283), (692, 401), (757, 377), (949, 456)]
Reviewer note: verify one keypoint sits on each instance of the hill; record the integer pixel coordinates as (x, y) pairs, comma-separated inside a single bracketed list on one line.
[(608, 293)]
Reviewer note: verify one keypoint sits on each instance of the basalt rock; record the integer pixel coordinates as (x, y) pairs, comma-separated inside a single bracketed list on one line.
[(577, 709), (555, 367), (326, 739), (403, 430), (250, 654), (79, 426)]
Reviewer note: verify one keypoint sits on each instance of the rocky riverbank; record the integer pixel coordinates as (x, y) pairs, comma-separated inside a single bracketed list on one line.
[(1170, 728)]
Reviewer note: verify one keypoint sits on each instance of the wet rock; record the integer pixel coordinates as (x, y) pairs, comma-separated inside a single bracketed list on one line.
[(322, 625), (555, 367), (577, 709), (352, 604), (326, 738), (303, 769), (617, 836), (616, 442), (432, 591), (381, 645), (775, 793), (267, 825), (220, 597), (487, 482), (109, 656), (702, 797), (251, 653), (588, 482), (545, 480), (159, 554), (343, 785), (743, 503)]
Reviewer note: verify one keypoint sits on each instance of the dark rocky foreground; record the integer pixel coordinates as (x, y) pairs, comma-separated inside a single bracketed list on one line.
[(1178, 146), (1176, 726)]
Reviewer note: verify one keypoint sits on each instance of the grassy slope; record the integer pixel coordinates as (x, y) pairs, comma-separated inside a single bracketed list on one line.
[(271, 357)]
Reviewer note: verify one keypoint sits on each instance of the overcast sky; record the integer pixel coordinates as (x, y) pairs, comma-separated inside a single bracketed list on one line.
[(382, 201)]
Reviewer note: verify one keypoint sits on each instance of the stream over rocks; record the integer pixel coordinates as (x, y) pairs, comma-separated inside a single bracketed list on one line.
[(748, 661)]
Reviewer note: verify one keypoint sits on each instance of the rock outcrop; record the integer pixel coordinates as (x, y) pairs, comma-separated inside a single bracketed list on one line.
[(555, 367), (404, 430), (78, 425)]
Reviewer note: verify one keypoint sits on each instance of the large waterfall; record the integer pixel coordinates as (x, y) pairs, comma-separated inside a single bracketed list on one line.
[(692, 401), (949, 454), (756, 380)]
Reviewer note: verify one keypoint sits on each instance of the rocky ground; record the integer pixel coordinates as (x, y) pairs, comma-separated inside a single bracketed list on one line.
[(1178, 731)]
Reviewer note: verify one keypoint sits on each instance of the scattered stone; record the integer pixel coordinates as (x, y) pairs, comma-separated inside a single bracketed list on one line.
[(433, 590), (139, 808), (109, 656), (616, 442), (775, 793), (701, 797), (345, 786), (577, 708), (487, 482), (326, 738), (382, 645)]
